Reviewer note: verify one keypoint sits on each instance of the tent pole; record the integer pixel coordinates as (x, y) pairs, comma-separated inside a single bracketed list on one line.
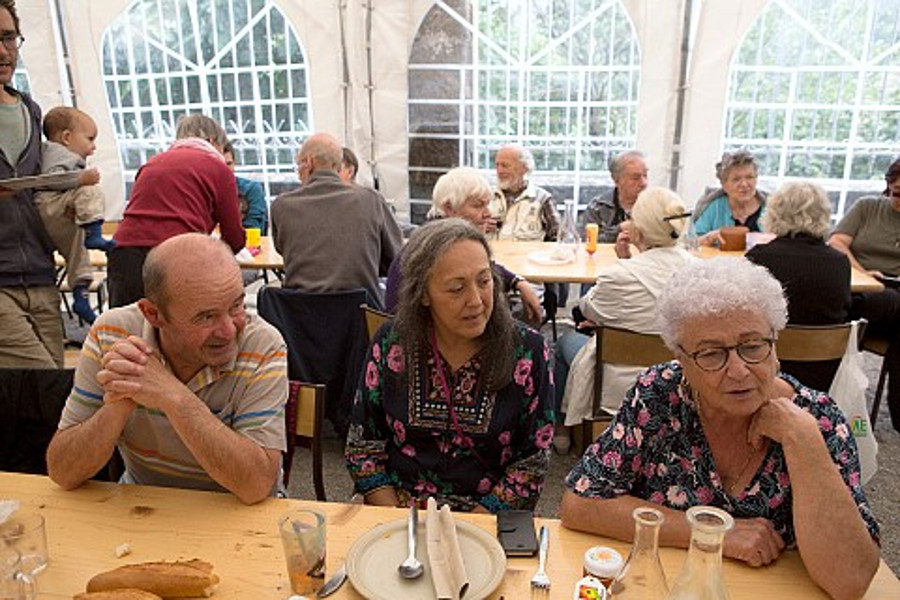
[(370, 87), (345, 83), (675, 166), (65, 74)]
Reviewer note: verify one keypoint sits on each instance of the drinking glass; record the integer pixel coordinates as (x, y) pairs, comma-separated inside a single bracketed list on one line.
[(26, 531), (303, 538), (15, 584)]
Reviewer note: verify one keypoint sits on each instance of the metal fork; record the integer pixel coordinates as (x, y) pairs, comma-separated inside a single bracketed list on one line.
[(540, 581)]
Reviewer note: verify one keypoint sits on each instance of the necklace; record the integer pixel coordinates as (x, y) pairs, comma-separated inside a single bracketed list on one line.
[(729, 487), (734, 482)]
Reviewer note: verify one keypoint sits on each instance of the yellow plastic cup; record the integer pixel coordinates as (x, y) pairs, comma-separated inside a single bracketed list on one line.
[(592, 230), (253, 235)]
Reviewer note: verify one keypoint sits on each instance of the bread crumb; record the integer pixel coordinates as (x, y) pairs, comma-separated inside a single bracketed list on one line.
[(123, 550)]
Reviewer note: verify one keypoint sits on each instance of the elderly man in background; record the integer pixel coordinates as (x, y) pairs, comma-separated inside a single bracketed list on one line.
[(629, 174), (188, 386), (520, 210), (188, 188), (333, 236)]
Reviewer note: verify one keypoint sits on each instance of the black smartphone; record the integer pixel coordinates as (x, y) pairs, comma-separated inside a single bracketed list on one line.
[(515, 531)]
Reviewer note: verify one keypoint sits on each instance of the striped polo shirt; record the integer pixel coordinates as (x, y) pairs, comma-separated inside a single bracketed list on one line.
[(248, 395)]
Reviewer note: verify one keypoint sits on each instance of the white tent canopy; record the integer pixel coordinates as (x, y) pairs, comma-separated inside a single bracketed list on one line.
[(367, 106)]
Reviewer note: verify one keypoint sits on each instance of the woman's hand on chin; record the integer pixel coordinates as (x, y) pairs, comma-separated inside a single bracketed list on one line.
[(779, 419), (753, 541)]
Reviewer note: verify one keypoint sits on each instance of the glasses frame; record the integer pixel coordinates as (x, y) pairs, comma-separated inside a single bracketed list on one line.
[(770, 341), (12, 41)]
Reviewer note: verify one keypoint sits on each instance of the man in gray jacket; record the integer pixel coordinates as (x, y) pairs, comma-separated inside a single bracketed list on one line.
[(30, 326), (333, 236)]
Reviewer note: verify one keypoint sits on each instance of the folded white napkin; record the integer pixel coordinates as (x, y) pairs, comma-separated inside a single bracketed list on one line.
[(7, 508), (447, 569)]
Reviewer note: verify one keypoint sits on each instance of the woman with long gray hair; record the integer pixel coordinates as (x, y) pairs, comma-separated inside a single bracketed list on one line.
[(456, 399)]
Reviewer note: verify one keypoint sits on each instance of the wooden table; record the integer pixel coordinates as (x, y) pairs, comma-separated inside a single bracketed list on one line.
[(85, 526), (514, 256), (267, 259)]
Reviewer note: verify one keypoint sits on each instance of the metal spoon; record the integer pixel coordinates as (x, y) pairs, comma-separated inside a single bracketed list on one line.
[(332, 585), (411, 568)]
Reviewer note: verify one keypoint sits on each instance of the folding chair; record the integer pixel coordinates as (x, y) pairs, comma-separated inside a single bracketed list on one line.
[(621, 347), (303, 425), (880, 347)]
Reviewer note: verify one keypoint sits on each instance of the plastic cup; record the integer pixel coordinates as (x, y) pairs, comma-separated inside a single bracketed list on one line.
[(253, 235), (26, 531), (303, 537), (591, 231)]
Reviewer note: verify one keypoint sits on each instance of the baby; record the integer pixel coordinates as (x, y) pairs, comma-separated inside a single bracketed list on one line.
[(72, 212)]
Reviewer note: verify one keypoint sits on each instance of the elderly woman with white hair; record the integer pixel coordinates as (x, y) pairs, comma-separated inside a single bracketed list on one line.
[(463, 192), (815, 277), (625, 296), (719, 426), (737, 202)]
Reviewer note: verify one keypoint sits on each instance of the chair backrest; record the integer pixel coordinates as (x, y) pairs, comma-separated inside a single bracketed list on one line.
[(628, 348), (31, 402), (813, 353), (303, 416), (814, 343), (374, 319), (326, 340)]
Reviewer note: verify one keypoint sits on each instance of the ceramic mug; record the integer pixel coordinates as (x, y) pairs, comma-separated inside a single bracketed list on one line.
[(734, 239)]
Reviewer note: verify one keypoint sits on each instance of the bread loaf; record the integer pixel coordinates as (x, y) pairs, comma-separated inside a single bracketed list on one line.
[(123, 594), (180, 579)]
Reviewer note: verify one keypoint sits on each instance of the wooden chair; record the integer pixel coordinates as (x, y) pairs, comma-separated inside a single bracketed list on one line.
[(303, 415), (374, 319), (626, 348), (816, 344), (880, 347)]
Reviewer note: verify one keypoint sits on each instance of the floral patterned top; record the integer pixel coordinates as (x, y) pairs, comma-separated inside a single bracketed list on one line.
[(655, 449), (402, 433)]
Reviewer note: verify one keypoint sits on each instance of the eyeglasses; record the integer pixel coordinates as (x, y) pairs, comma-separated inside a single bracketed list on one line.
[(12, 41), (750, 351)]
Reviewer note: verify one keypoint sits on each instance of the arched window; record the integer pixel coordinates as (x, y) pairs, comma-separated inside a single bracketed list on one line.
[(558, 77), (815, 94), (237, 61)]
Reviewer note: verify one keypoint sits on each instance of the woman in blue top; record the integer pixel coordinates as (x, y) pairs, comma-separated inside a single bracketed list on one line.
[(737, 202)]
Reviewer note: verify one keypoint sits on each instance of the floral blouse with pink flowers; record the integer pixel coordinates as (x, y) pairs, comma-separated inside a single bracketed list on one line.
[(655, 449), (403, 435)]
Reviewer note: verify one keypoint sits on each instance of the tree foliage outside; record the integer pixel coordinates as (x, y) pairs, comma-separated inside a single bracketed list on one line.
[(815, 93), (237, 61), (558, 76)]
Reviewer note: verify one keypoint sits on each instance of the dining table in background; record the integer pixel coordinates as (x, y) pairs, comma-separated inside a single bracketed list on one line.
[(515, 256), (86, 525)]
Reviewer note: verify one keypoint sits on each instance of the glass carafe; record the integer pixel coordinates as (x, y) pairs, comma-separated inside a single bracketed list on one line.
[(701, 575), (567, 236), (642, 577)]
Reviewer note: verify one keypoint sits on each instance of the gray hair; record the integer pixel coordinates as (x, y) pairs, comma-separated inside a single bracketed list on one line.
[(524, 155), (203, 127), (730, 160), (413, 320), (617, 163), (649, 214), (326, 152), (715, 287), (798, 207), (456, 186)]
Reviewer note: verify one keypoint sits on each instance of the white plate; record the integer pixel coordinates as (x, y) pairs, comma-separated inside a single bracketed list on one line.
[(372, 562), (68, 179), (549, 257)]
